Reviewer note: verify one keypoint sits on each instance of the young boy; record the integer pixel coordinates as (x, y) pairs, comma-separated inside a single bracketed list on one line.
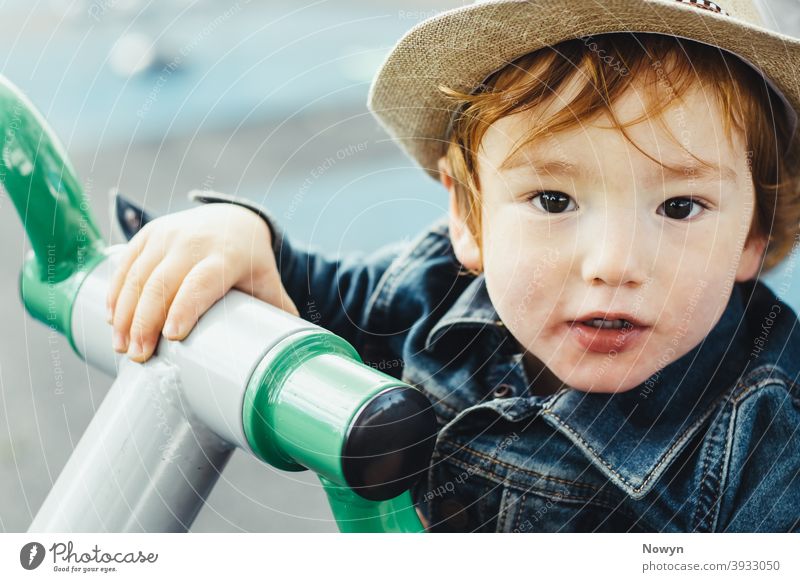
[(587, 320)]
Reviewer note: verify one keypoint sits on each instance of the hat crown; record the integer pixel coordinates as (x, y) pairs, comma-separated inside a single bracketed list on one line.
[(744, 10)]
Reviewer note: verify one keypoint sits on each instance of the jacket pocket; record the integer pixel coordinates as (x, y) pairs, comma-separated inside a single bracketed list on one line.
[(530, 511)]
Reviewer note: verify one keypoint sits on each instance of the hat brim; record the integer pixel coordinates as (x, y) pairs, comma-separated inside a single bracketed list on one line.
[(461, 47)]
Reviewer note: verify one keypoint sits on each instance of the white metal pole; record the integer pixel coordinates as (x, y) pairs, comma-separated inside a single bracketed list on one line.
[(141, 466)]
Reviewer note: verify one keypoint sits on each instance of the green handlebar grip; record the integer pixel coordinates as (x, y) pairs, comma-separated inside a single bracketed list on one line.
[(36, 174), (312, 403)]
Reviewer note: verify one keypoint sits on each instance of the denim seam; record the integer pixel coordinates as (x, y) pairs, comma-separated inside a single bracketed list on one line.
[(678, 443), (743, 391), (700, 491), (710, 509), (504, 481), (504, 504), (528, 472), (711, 515), (605, 503), (726, 463), (721, 466), (519, 513), (791, 385)]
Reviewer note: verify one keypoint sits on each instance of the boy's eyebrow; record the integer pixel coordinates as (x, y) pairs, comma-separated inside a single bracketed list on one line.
[(692, 169)]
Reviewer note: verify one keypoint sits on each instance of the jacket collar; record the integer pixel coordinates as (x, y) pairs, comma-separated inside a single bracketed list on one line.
[(471, 310), (634, 436)]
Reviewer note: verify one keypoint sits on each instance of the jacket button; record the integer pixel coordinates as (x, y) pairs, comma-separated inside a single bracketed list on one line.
[(454, 514), (503, 391)]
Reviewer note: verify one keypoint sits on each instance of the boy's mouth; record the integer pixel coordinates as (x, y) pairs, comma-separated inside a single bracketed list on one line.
[(608, 324), (609, 319), (609, 332)]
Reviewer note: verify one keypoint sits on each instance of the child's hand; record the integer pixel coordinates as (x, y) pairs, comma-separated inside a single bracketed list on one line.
[(180, 264)]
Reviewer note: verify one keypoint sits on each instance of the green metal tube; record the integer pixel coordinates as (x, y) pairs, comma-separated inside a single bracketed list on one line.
[(301, 400), (354, 514), (36, 174)]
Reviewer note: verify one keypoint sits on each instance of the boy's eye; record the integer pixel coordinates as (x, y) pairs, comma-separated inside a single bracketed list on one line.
[(682, 208), (552, 202)]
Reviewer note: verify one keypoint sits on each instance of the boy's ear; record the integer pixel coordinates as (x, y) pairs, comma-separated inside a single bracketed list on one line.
[(752, 255), (464, 245)]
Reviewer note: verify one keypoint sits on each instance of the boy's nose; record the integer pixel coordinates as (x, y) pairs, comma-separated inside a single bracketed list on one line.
[(616, 252)]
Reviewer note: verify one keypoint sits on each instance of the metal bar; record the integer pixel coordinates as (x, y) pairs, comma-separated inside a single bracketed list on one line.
[(141, 466)]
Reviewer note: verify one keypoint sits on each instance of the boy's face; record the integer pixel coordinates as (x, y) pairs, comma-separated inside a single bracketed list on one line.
[(615, 233)]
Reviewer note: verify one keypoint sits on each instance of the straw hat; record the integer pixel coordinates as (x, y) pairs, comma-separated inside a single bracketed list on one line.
[(460, 48)]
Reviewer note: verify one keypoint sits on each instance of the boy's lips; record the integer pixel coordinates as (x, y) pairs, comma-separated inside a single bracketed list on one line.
[(610, 316), (607, 340)]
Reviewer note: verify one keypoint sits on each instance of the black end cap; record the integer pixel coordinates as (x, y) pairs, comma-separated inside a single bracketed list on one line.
[(390, 444)]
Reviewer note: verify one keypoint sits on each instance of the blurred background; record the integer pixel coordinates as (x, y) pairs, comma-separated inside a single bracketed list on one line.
[(263, 99)]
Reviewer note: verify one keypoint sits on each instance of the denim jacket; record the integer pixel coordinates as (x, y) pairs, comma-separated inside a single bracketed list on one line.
[(710, 443)]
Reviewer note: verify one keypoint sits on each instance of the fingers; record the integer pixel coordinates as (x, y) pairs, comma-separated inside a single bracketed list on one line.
[(156, 297), (128, 255), (159, 284), (202, 287), (129, 295)]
